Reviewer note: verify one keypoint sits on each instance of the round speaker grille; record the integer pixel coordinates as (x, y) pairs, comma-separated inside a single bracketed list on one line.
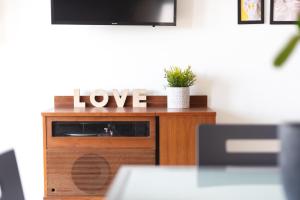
[(90, 173)]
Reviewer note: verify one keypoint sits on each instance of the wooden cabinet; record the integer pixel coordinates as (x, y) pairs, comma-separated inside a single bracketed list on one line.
[(82, 168)]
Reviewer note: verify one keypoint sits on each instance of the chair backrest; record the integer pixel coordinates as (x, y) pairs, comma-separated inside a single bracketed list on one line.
[(218, 145), (10, 182)]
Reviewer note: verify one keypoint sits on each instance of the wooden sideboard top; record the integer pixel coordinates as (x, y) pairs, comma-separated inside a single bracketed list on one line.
[(67, 112), (157, 105)]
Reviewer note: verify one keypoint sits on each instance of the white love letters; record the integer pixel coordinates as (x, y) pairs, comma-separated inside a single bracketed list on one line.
[(138, 98)]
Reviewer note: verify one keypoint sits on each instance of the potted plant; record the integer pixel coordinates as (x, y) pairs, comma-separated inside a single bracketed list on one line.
[(178, 89)]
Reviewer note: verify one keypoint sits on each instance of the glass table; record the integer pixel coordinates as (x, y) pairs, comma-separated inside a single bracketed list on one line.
[(191, 183)]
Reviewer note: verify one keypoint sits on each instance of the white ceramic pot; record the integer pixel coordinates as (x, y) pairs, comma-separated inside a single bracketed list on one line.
[(178, 97)]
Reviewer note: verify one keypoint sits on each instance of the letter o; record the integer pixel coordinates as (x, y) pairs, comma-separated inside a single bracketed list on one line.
[(102, 103)]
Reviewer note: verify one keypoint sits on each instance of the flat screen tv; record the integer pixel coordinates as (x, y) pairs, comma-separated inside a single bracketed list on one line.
[(114, 12)]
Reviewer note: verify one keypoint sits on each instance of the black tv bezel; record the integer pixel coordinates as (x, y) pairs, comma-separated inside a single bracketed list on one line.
[(83, 22)]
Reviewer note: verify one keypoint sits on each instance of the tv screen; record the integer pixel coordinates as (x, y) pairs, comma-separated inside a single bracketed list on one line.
[(114, 12)]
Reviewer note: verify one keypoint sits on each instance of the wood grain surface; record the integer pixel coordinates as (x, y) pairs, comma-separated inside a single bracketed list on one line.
[(89, 172), (178, 138)]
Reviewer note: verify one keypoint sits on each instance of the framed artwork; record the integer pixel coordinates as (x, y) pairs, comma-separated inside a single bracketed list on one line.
[(250, 11), (284, 11)]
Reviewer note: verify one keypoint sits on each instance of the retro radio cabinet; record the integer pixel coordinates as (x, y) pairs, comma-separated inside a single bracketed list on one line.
[(84, 148)]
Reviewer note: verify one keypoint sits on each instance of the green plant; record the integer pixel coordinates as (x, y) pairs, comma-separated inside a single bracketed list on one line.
[(288, 48), (177, 77)]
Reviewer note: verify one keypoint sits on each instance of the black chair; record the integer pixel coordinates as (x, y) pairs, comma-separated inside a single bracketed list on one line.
[(10, 182), (212, 141)]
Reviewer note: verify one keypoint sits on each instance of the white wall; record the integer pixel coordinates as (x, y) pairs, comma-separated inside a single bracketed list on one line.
[(233, 62)]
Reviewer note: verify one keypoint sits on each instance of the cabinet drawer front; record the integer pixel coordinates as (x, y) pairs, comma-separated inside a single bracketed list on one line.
[(105, 132)]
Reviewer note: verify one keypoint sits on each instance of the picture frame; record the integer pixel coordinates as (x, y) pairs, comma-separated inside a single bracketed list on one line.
[(284, 14), (256, 14)]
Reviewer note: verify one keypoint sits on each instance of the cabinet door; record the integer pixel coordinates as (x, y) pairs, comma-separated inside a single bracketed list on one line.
[(178, 138)]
